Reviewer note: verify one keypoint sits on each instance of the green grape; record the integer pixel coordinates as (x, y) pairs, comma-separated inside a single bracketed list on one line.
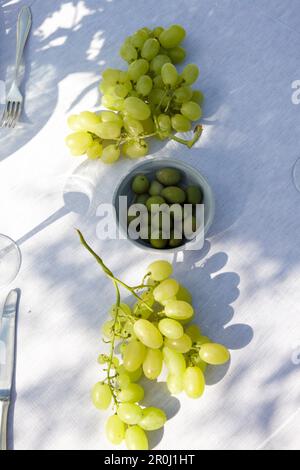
[(184, 294), (128, 52), (107, 329), (122, 311), (101, 396), (106, 88), (135, 149), (111, 76), (174, 361), (127, 330), (134, 355), (148, 125), (115, 430), (74, 123), (88, 120), (197, 97), (148, 334), (169, 74), (166, 289), (164, 123), (215, 354), (137, 109), (157, 31), (112, 102), (129, 413), (183, 94), (160, 270), (180, 123), (191, 110), (194, 332), (190, 73), (172, 36), (121, 90), (152, 419), (164, 302), (138, 68), (140, 310), (136, 438), (182, 344), (170, 328), (133, 376), (144, 85), (157, 82), (203, 340), (111, 116), (177, 54), (158, 62), (124, 78), (94, 151), (138, 39), (136, 374), (133, 126), (133, 393), (123, 380), (157, 97), (108, 130), (150, 49), (152, 364), (79, 142), (179, 310), (193, 382), (110, 154), (175, 383)]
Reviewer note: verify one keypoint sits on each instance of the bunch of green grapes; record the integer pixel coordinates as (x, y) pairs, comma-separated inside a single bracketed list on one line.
[(152, 98), (153, 332)]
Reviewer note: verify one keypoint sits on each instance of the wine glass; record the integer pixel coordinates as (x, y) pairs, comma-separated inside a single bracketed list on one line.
[(10, 260)]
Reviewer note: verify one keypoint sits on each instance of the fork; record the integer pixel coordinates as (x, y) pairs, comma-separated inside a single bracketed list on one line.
[(14, 100)]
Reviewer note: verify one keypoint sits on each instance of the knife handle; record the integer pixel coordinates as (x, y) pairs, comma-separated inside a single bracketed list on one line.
[(4, 405)]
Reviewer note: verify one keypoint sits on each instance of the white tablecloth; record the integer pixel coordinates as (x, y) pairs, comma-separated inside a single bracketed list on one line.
[(246, 280)]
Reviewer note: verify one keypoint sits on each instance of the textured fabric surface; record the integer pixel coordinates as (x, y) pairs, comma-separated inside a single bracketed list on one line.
[(245, 281)]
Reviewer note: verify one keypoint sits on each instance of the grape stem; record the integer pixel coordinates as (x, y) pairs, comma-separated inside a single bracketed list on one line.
[(189, 143), (112, 347), (109, 273)]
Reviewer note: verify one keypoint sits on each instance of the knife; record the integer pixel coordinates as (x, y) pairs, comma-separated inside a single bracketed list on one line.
[(7, 359)]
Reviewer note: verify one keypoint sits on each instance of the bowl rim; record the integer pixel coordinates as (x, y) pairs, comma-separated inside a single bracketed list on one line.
[(168, 162)]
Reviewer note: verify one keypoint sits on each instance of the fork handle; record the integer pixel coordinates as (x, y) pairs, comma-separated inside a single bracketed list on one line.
[(23, 28), (4, 405)]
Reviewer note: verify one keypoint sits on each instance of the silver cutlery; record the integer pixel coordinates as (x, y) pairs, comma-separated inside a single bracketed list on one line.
[(7, 359), (14, 100)]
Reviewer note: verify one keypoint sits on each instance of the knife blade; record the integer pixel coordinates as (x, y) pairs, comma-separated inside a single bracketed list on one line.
[(7, 343)]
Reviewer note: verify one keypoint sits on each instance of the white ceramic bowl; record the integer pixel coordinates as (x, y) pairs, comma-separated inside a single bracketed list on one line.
[(149, 168)]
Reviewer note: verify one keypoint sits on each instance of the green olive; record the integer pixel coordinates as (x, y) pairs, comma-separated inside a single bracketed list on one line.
[(158, 241), (190, 225), (140, 184), (155, 188), (154, 200), (168, 176), (194, 195), (176, 238), (175, 242), (142, 198), (173, 195)]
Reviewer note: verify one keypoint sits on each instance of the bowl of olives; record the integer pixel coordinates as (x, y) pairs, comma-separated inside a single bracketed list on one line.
[(154, 186)]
